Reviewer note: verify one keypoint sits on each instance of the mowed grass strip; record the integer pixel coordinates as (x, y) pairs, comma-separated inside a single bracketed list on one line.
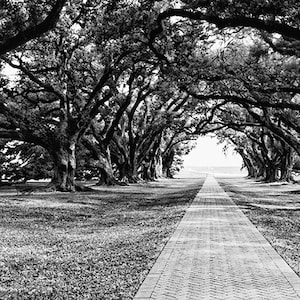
[(274, 209), (96, 245)]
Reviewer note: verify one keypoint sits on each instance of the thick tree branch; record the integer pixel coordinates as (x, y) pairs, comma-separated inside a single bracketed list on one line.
[(235, 21), (48, 87), (291, 49), (289, 138), (32, 32), (10, 134), (121, 110), (241, 100)]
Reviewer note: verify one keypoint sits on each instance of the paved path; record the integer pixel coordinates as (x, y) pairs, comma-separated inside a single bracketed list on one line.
[(216, 253)]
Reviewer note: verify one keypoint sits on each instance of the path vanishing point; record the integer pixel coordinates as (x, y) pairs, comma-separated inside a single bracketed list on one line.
[(217, 253)]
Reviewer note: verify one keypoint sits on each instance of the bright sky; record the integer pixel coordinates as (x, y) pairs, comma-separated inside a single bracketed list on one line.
[(209, 153)]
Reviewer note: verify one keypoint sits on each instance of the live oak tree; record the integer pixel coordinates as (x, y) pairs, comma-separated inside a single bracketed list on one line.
[(228, 16), (125, 141), (136, 144), (264, 155), (69, 78), (214, 56), (68, 75), (135, 85), (274, 16), (150, 130), (177, 142), (259, 80)]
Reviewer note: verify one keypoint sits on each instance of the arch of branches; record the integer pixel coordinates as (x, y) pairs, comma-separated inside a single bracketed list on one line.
[(120, 90)]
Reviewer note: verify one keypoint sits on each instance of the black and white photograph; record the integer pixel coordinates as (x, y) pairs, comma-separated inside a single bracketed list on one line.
[(149, 150)]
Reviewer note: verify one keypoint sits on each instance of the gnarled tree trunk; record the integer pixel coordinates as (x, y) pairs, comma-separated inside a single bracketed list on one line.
[(286, 166), (247, 162), (271, 172), (167, 164), (158, 165), (106, 174), (64, 159), (128, 172)]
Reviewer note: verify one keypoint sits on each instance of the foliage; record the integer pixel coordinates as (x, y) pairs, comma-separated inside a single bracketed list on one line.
[(22, 21), (67, 78), (22, 162), (100, 102)]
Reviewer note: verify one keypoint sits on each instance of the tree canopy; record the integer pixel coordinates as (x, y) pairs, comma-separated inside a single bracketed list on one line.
[(119, 90), (26, 20)]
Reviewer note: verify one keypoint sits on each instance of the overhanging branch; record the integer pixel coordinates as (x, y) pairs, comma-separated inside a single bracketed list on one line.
[(237, 21), (32, 32)]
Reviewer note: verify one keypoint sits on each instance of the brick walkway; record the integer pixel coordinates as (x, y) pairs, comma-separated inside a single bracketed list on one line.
[(216, 253)]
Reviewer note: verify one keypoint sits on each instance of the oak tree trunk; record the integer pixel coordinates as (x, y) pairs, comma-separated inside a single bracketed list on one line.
[(286, 167), (128, 173), (271, 173), (64, 168), (247, 163), (167, 162), (106, 174)]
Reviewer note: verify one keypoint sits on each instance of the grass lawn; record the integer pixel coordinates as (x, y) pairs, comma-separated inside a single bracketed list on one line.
[(95, 245), (274, 209)]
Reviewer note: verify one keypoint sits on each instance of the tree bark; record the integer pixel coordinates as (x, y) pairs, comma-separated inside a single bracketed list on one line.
[(64, 168), (128, 173), (247, 163), (167, 162), (106, 174), (271, 173), (286, 166), (158, 165), (146, 170)]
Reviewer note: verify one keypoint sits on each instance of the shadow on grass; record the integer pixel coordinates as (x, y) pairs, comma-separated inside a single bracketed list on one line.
[(95, 245), (177, 198)]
